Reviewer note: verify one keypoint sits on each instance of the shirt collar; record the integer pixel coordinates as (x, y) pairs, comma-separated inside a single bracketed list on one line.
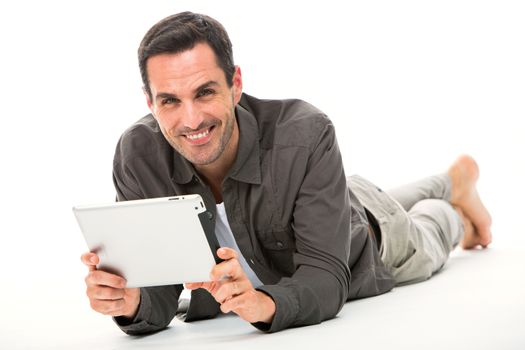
[(246, 168), (183, 171)]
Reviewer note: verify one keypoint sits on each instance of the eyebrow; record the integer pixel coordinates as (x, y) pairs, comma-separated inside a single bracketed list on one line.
[(207, 84)]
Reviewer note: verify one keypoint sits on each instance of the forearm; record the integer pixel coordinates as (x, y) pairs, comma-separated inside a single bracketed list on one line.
[(309, 297)]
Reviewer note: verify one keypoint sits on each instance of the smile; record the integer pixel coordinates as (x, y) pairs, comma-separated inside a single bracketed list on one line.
[(198, 136)]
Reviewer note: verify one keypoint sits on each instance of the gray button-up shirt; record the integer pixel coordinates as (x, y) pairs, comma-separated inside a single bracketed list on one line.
[(296, 222)]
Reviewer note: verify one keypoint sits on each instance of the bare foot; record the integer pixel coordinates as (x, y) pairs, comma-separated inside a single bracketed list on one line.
[(464, 174), (470, 237)]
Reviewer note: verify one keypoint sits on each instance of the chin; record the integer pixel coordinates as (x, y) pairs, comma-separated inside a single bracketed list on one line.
[(202, 159)]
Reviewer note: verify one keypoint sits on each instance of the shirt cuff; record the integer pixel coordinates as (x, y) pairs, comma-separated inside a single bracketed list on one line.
[(286, 308), (139, 323)]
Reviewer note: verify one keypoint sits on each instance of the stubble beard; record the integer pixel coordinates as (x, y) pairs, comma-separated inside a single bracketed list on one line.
[(214, 154)]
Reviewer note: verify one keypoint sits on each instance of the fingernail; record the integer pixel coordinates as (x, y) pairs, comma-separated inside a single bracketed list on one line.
[(93, 260)]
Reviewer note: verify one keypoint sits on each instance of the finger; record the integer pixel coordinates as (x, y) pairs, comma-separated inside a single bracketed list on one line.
[(237, 303), (231, 289), (90, 260), (197, 285), (226, 253), (211, 287), (249, 307), (227, 269), (109, 307), (99, 277), (105, 293), (193, 285)]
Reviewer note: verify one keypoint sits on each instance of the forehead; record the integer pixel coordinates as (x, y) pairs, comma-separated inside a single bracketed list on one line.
[(184, 69)]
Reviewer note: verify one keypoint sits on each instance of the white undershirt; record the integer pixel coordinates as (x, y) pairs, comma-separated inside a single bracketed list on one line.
[(225, 237)]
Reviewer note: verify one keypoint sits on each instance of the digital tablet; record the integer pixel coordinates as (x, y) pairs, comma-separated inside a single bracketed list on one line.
[(152, 242)]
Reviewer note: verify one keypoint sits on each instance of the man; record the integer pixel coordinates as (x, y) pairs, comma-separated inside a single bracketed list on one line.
[(298, 239)]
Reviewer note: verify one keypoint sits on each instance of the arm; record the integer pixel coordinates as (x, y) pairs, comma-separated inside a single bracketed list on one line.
[(319, 287), (321, 224)]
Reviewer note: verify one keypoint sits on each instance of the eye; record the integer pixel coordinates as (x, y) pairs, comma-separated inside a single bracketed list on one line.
[(167, 101), (205, 92)]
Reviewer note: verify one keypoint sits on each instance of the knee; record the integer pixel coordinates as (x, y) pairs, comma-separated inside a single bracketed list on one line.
[(440, 217), (434, 209)]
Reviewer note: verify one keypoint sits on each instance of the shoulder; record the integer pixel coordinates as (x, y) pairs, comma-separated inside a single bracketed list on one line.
[(142, 139), (289, 122)]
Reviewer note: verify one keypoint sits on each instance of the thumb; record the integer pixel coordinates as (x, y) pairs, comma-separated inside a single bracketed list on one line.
[(90, 260), (227, 253)]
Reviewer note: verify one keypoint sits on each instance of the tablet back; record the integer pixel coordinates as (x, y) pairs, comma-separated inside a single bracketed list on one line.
[(151, 242)]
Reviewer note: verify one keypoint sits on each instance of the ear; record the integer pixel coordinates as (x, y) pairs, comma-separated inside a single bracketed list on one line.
[(148, 100), (237, 85)]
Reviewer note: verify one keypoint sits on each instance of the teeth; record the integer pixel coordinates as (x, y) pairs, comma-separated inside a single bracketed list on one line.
[(198, 136)]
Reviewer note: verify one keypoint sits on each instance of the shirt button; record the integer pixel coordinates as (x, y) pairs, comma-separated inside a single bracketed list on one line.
[(210, 215), (280, 244), (252, 262)]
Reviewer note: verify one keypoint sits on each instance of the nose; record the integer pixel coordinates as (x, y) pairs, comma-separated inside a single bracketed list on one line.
[(192, 118)]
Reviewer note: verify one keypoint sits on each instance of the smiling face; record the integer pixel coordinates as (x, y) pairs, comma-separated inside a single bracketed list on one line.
[(194, 105)]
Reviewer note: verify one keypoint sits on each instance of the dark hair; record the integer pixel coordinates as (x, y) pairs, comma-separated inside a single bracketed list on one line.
[(181, 32)]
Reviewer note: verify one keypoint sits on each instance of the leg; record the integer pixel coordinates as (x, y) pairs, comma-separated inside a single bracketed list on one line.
[(437, 186), (457, 186), (415, 243), (436, 228), (420, 240)]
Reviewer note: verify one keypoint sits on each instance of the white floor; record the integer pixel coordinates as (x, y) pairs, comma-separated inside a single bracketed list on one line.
[(476, 302)]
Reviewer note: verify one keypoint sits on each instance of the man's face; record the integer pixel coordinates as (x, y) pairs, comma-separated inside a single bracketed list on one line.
[(192, 102)]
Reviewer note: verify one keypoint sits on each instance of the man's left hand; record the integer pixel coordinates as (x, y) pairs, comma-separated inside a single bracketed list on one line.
[(233, 290)]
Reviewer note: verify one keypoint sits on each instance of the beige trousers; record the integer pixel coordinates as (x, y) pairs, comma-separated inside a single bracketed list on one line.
[(419, 227)]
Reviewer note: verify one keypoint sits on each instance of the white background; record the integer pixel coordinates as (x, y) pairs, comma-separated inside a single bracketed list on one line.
[(408, 84)]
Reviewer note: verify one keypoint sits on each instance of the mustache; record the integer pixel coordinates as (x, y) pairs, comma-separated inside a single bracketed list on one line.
[(204, 125)]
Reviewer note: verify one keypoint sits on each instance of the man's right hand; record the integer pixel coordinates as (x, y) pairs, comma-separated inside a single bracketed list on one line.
[(107, 292)]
